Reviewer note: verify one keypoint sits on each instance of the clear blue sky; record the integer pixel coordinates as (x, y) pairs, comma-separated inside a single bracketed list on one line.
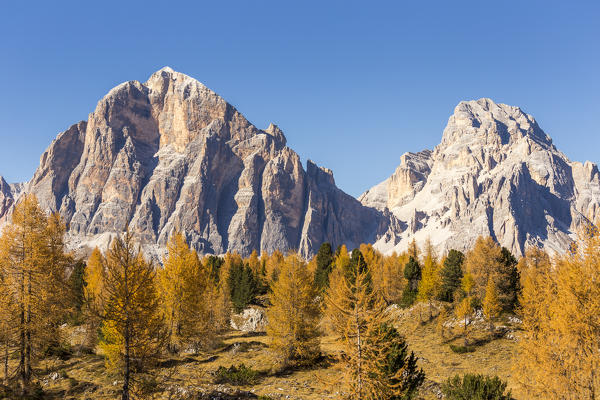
[(352, 84)]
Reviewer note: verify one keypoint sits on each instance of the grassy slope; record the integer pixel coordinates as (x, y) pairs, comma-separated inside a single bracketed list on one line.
[(84, 376)]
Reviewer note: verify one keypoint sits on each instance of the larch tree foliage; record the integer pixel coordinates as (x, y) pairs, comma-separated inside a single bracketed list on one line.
[(273, 266), (324, 261), (183, 284), (95, 276), (33, 273), (430, 283), (221, 306), (133, 330), (483, 262), (375, 367), (464, 308), (393, 278), (451, 275), (294, 314), (413, 249), (491, 303), (7, 322), (559, 356)]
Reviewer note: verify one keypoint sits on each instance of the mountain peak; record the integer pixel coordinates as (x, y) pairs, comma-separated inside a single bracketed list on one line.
[(495, 172), (486, 122), (166, 69)]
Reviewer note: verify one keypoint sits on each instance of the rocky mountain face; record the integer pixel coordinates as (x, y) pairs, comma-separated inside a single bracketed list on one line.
[(495, 173), (170, 154)]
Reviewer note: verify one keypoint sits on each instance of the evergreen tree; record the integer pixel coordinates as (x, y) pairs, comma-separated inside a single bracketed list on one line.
[(213, 264), (324, 261), (508, 281), (475, 387), (133, 330), (242, 284), (293, 315), (76, 284), (398, 367), (451, 275), (412, 273)]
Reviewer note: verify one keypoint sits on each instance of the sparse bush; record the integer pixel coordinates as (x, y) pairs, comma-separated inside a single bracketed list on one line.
[(475, 387), (58, 349), (238, 376), (461, 349)]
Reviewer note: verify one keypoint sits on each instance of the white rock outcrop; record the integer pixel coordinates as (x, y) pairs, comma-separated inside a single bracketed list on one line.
[(495, 173)]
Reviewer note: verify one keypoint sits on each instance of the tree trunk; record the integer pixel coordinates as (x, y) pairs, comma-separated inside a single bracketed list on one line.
[(22, 375), (28, 335), (126, 365), (465, 333), (6, 360), (359, 353)]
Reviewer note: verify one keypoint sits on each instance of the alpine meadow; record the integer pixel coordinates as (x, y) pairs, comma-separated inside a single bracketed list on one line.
[(166, 247)]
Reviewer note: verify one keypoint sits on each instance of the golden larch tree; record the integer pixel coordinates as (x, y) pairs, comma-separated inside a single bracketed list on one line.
[(464, 309), (133, 328), (430, 283), (181, 283), (294, 313), (33, 267), (95, 276), (559, 353), (482, 262), (491, 303)]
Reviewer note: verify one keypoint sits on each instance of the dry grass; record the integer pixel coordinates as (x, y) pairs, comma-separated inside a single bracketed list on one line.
[(190, 376)]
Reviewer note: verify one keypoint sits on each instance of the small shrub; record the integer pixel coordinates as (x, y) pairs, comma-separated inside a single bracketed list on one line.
[(238, 376), (462, 349), (475, 387), (408, 298), (58, 349)]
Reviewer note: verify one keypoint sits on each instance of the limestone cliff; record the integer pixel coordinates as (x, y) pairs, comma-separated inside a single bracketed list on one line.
[(170, 154), (495, 173)]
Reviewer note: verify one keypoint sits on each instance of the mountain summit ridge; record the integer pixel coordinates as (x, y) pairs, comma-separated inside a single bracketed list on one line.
[(495, 172), (171, 155)]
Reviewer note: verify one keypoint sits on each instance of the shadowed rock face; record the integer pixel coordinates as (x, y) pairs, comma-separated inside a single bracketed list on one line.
[(170, 154), (495, 173)]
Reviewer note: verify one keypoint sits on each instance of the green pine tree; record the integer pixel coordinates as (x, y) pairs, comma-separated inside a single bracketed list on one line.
[(508, 281), (452, 274), (398, 365), (243, 286), (324, 266), (412, 273)]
